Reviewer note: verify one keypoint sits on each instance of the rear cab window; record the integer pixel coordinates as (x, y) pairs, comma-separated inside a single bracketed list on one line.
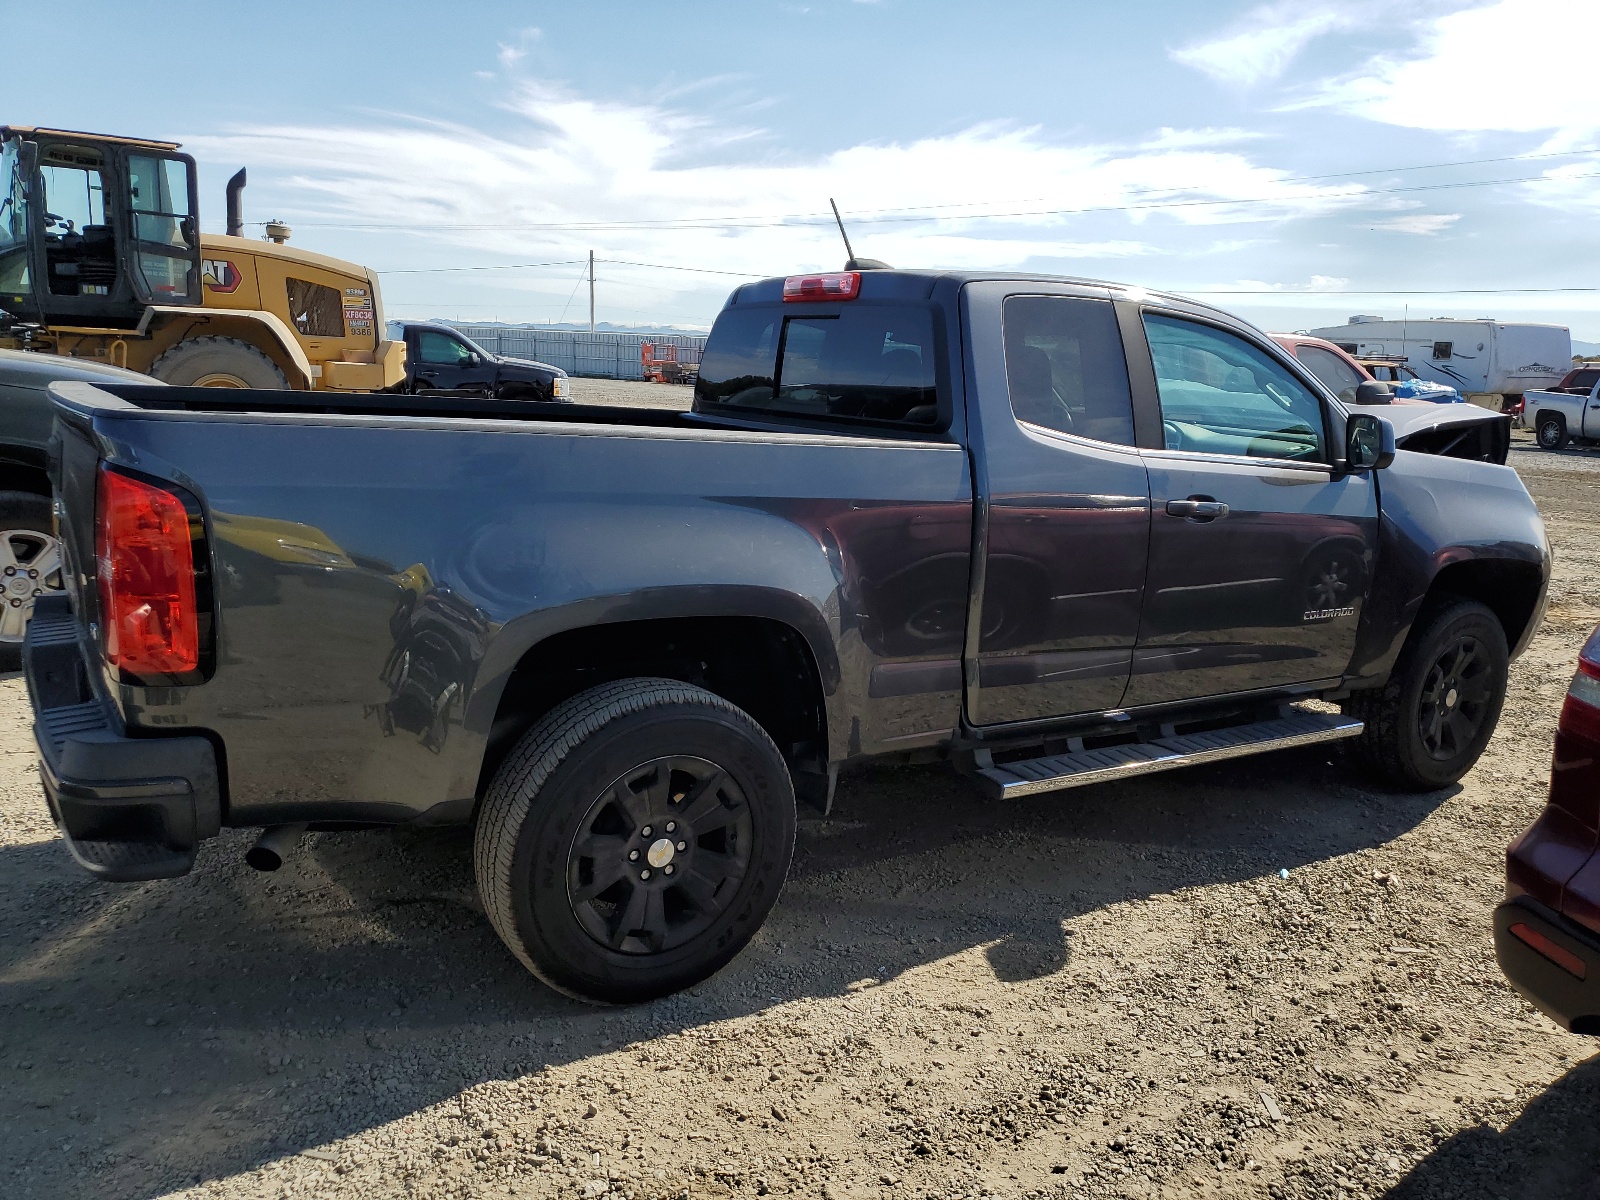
[(851, 363)]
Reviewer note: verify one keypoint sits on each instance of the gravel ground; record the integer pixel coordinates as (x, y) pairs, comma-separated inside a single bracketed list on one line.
[(1113, 992), (631, 392)]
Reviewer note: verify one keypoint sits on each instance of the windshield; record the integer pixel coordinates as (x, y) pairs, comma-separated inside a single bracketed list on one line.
[(13, 219)]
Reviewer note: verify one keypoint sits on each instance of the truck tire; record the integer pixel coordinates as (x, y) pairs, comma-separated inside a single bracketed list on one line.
[(218, 362), (1429, 723), (30, 567), (1550, 428), (634, 840)]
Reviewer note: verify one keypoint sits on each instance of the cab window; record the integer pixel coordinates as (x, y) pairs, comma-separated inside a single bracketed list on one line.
[(1220, 394), (315, 308), (1065, 368), (861, 362), (441, 350)]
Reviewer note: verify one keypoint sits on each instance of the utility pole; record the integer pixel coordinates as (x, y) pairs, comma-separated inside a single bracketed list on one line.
[(591, 291)]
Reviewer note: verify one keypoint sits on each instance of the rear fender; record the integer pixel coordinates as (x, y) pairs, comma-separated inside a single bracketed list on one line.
[(265, 331)]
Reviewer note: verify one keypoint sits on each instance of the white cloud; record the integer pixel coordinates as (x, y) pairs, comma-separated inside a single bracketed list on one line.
[(1423, 223), (572, 160), (1477, 71), (1261, 45)]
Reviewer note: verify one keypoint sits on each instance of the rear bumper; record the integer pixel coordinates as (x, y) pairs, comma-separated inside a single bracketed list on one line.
[(129, 808), (1570, 1001)]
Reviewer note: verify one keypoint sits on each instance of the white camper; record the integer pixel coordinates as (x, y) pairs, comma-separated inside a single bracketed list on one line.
[(1474, 357)]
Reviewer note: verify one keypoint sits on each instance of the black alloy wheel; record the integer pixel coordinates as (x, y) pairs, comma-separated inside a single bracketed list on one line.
[(1435, 713), (659, 855), (1456, 696), (635, 839)]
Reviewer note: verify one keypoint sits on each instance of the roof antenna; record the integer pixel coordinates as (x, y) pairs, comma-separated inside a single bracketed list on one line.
[(853, 263)]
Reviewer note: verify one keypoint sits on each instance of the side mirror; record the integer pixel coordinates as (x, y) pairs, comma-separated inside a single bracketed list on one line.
[(1368, 442), (27, 159), (473, 360), (1373, 392)]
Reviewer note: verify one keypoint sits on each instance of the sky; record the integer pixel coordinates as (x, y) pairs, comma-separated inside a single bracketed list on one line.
[(1296, 162)]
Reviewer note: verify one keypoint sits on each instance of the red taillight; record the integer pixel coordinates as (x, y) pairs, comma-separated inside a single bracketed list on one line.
[(1575, 766), (145, 557), (840, 285), (1563, 958)]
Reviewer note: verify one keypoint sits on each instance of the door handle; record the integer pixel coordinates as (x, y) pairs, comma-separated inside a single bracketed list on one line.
[(1196, 509)]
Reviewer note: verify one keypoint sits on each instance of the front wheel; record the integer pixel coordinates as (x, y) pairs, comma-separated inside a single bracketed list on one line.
[(1551, 431), (634, 840), (1431, 721)]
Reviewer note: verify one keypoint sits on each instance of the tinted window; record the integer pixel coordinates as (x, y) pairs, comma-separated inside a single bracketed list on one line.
[(440, 349), (861, 362), (1338, 376), (1065, 367), (1220, 394), (315, 308), (1584, 379), (1441, 350)]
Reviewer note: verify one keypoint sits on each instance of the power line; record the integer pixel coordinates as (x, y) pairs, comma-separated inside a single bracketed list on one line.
[(565, 262), (1378, 291), (913, 215)]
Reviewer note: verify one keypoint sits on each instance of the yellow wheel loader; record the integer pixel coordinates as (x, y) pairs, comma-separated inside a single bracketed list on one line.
[(102, 258)]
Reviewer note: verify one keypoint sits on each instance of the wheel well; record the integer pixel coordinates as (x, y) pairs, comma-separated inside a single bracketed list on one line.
[(22, 477), (763, 666), (1510, 590)]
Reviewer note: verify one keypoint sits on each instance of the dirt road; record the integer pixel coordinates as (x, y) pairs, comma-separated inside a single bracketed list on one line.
[(1114, 992)]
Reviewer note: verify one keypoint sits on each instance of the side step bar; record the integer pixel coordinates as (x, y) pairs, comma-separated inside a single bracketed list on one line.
[(1030, 776)]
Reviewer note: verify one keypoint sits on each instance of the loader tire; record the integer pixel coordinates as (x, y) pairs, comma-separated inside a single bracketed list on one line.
[(221, 362)]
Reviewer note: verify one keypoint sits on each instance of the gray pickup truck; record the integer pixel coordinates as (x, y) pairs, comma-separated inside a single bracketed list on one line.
[(1055, 532)]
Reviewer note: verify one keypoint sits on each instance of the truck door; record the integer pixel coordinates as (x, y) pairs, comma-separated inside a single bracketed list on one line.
[(1064, 543), (1260, 551), (1591, 412), (162, 243)]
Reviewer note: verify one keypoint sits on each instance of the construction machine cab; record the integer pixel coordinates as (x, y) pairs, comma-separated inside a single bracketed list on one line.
[(93, 229)]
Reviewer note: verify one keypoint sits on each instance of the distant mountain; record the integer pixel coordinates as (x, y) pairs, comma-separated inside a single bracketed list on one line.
[(1585, 349)]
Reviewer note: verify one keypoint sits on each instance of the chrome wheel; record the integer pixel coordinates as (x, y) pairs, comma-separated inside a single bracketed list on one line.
[(659, 855), (30, 566)]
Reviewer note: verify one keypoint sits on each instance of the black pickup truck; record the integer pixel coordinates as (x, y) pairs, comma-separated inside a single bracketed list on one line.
[(1056, 532), (444, 361)]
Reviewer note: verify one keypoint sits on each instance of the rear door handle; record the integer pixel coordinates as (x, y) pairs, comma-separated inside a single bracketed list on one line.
[(1197, 510)]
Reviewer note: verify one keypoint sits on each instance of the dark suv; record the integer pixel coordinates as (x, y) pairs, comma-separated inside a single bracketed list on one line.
[(1547, 932)]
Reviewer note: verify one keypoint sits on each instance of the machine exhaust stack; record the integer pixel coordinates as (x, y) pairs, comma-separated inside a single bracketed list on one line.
[(235, 209)]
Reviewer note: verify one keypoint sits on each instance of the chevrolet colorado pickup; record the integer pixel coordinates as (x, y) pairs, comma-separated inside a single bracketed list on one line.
[(1056, 532)]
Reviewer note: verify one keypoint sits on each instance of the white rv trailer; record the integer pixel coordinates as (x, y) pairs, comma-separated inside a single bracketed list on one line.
[(1474, 356)]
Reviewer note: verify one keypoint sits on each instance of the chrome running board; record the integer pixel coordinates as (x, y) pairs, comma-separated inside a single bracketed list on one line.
[(1029, 776)]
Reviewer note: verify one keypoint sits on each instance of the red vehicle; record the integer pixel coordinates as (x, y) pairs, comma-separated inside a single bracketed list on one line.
[(1339, 373), (1547, 931)]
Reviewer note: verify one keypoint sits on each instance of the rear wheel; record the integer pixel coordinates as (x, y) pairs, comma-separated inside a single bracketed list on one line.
[(1551, 431), (635, 840), (30, 567), (218, 362), (1429, 723)]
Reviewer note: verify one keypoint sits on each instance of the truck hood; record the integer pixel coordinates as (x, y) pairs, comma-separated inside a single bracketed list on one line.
[(533, 369), (1453, 430)]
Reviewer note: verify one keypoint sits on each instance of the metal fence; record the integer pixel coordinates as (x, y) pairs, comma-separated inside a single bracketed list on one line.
[(595, 355)]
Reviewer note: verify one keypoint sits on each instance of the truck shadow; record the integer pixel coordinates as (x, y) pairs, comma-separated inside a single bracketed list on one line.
[(194, 1028), (1550, 1152)]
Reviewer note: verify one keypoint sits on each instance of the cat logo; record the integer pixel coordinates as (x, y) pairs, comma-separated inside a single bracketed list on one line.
[(219, 274)]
